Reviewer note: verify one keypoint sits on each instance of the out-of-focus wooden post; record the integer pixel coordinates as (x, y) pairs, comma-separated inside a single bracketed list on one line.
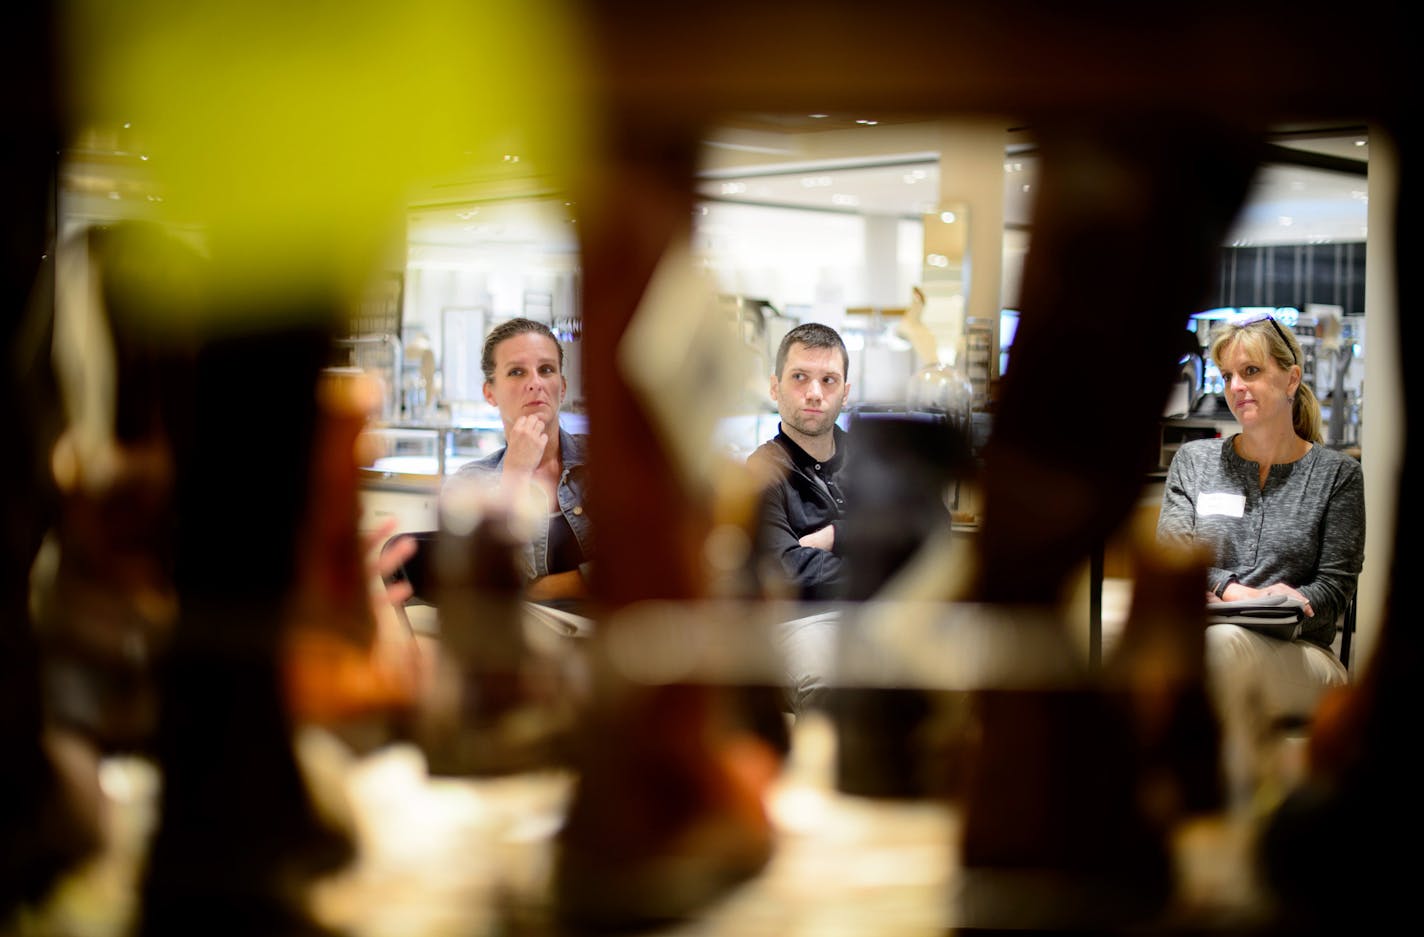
[(655, 763)]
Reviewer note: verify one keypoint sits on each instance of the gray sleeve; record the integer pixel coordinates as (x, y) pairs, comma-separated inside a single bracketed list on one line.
[(1176, 521), (1342, 548)]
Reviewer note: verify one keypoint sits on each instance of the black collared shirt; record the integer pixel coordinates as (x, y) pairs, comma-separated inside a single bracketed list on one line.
[(802, 496)]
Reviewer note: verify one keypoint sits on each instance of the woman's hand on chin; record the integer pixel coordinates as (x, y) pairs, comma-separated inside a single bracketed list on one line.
[(524, 445)]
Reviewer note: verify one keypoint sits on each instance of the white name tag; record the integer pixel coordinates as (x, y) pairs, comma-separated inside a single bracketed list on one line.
[(1221, 502)]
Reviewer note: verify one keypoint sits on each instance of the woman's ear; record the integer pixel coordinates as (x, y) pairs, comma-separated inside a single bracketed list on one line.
[(489, 395)]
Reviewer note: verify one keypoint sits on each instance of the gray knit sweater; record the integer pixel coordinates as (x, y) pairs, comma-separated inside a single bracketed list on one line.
[(1305, 528)]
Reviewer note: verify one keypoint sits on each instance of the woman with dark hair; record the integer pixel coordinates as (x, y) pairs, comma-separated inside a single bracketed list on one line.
[(523, 366)]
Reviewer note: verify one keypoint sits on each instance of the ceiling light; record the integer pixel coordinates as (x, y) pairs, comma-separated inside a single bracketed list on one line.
[(1357, 142), (868, 123), (948, 217), (842, 199), (817, 116)]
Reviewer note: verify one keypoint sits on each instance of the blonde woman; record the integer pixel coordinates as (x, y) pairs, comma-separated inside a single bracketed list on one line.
[(1281, 515)]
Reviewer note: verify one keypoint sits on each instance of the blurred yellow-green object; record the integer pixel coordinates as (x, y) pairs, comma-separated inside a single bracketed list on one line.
[(292, 136)]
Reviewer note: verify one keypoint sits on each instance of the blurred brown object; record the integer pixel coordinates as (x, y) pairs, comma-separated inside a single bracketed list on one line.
[(670, 810), (667, 813), (104, 595), (1157, 675), (239, 837), (503, 695), (339, 661)]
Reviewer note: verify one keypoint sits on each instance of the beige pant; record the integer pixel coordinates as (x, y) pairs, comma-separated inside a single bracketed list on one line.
[(1258, 683)]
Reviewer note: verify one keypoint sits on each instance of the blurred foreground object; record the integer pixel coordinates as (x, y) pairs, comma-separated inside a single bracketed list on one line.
[(46, 826), (505, 692)]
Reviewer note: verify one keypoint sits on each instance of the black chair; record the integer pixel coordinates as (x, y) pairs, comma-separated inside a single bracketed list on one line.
[(1347, 631)]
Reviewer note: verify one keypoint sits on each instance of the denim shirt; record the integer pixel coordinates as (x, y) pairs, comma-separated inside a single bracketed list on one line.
[(573, 502)]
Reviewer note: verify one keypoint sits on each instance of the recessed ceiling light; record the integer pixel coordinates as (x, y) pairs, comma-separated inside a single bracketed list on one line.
[(868, 123), (1360, 143), (817, 116)]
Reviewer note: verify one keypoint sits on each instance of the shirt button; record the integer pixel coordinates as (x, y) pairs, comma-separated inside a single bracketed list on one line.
[(818, 466), (578, 509)]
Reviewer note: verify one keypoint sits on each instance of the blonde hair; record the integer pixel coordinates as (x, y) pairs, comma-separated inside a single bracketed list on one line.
[(1269, 338)]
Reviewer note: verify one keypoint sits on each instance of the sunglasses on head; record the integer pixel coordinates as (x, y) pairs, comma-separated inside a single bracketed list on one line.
[(1244, 319)]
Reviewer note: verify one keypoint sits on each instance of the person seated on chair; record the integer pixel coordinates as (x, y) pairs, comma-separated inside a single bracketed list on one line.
[(1281, 515), (803, 466), (803, 472), (523, 365)]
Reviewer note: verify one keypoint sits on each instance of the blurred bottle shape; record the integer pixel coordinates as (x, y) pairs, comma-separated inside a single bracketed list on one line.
[(900, 472), (504, 697)]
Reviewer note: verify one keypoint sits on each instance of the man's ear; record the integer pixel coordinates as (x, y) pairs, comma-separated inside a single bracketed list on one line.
[(775, 389), (489, 396)]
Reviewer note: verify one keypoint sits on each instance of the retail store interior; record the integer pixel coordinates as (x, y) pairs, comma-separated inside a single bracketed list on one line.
[(244, 738)]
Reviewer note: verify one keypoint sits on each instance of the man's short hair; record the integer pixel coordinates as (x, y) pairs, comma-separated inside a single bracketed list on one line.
[(812, 335), (509, 329)]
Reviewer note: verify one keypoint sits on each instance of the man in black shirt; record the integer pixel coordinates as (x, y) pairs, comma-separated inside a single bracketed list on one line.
[(803, 467)]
